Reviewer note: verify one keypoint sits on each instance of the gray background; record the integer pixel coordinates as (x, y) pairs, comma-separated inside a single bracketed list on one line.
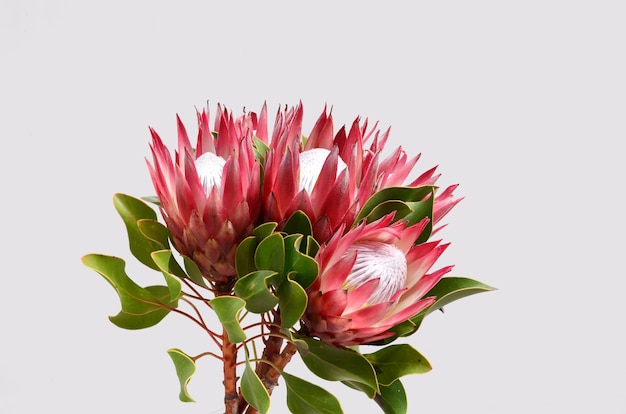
[(522, 103)]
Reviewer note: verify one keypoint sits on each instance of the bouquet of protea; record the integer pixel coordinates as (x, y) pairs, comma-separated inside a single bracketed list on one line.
[(281, 244)]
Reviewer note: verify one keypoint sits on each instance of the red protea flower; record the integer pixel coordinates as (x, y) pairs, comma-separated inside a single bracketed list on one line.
[(210, 196), (330, 176), (371, 279)]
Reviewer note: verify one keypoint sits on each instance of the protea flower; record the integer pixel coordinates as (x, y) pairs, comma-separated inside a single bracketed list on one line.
[(371, 279), (330, 176), (210, 196)]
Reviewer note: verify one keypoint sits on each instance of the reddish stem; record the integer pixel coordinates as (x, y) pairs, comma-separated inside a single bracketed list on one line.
[(268, 373), (229, 354)]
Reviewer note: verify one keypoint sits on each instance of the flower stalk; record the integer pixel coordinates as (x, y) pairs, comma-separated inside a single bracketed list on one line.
[(229, 354)]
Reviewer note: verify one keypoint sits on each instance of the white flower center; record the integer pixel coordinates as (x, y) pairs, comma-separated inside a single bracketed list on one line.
[(311, 163), (209, 167), (378, 260)]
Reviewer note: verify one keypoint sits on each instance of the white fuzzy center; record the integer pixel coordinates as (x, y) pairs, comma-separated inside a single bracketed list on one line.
[(378, 260), (311, 163), (209, 167)]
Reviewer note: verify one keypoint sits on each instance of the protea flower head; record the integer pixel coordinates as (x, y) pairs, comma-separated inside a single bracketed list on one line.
[(371, 278), (328, 175), (210, 195)]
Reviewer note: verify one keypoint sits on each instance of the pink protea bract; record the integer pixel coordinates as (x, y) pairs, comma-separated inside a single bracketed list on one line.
[(371, 278), (329, 176), (210, 195)]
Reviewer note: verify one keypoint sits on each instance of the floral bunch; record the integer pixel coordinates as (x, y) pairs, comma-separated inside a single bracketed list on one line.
[(318, 245)]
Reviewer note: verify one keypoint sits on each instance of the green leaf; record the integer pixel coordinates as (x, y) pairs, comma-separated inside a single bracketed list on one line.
[(292, 301), (244, 257), (171, 270), (167, 263), (304, 397), (454, 288), (312, 246), (410, 211), (298, 223), (338, 364), (141, 307), (264, 230), (419, 211), (369, 391), (132, 210), (270, 254), (395, 361), (253, 390), (155, 231), (185, 368), (302, 269), (193, 271), (227, 309), (152, 199), (405, 194), (405, 328), (400, 207), (254, 289), (296, 339), (140, 319), (450, 289), (260, 150), (392, 398)]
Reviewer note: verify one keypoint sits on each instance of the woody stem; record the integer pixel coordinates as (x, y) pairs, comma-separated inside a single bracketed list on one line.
[(269, 374), (229, 353)]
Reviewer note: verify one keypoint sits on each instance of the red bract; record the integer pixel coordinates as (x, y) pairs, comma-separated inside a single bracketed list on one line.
[(210, 196), (328, 175), (371, 279)]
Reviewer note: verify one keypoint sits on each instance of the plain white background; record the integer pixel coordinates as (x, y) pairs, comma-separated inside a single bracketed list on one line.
[(521, 103)]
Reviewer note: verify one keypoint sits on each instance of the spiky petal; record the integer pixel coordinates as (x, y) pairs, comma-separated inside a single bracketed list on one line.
[(330, 176), (210, 198), (371, 278)]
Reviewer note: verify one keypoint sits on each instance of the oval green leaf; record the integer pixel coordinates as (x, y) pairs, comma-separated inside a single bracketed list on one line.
[(141, 307), (154, 231), (312, 246), (132, 210), (264, 230), (452, 288), (292, 301), (270, 254), (193, 271), (302, 269), (448, 290), (227, 309), (400, 208), (171, 270), (395, 361), (338, 364), (253, 390), (419, 211), (304, 397), (298, 223), (405, 194), (244, 256), (185, 368), (392, 398), (254, 290)]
